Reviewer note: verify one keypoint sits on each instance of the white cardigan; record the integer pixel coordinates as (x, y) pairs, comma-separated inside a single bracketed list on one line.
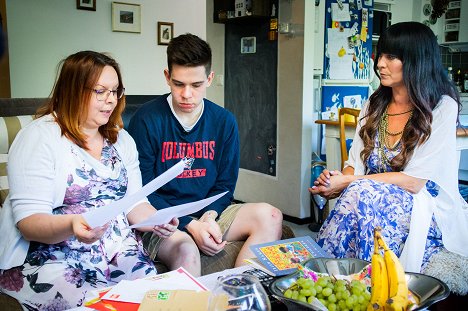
[(38, 166), (436, 160)]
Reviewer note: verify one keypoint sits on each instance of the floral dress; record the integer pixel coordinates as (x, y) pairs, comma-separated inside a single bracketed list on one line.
[(348, 230), (62, 275)]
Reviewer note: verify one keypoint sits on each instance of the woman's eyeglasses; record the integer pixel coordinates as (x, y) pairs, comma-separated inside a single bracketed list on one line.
[(103, 94)]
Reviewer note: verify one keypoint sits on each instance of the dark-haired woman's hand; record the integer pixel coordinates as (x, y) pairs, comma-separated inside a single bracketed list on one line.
[(330, 184)]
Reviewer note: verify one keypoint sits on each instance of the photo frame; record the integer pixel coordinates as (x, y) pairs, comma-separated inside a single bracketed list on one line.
[(248, 45), (126, 17), (89, 5), (165, 33)]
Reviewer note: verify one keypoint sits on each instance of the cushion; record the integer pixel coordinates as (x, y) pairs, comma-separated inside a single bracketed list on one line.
[(9, 127), (9, 304), (450, 268), (3, 178)]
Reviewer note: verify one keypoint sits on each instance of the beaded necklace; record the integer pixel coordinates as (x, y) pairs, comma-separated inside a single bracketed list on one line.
[(383, 133)]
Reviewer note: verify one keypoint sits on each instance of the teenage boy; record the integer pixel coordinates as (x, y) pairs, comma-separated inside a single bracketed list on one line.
[(184, 124)]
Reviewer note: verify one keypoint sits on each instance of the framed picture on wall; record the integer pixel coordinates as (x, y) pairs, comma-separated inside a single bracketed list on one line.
[(89, 5), (126, 17), (165, 32), (248, 45)]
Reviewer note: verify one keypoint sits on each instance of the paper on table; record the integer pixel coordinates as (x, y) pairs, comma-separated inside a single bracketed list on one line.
[(165, 215), (134, 291), (102, 215)]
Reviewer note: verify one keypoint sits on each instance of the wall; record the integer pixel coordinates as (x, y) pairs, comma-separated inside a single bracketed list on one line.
[(42, 32), (402, 11), (215, 37), (4, 60)]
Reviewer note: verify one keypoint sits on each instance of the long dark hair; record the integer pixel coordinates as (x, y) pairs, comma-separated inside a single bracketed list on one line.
[(426, 82), (70, 97)]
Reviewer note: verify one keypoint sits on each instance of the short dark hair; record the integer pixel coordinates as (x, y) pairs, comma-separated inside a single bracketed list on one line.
[(190, 51)]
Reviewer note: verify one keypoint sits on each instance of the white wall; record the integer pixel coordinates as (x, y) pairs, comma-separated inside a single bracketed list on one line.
[(215, 37), (402, 11), (43, 32)]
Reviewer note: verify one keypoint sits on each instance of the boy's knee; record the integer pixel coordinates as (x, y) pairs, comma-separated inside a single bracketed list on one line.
[(187, 249), (269, 215)]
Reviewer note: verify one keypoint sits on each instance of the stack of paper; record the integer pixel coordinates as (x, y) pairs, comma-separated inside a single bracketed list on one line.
[(127, 295)]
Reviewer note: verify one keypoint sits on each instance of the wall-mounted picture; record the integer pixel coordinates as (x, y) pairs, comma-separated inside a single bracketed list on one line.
[(126, 17), (248, 45), (89, 5), (165, 32)]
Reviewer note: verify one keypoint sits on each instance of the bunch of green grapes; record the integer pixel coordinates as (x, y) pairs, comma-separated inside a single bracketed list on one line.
[(332, 293)]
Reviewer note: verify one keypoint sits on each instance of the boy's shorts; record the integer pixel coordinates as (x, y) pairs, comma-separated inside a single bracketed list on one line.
[(151, 241)]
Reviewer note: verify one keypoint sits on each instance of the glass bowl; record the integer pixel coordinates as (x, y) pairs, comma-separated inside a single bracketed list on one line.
[(426, 288)]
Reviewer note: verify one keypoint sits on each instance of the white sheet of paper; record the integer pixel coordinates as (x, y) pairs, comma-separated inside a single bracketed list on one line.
[(134, 291), (102, 215), (337, 40), (340, 15), (165, 215), (341, 67), (352, 101)]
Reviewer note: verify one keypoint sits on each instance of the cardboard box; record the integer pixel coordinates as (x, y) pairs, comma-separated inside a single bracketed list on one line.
[(172, 300)]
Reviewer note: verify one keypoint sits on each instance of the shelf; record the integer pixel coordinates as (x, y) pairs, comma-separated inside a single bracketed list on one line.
[(259, 11), (243, 19), (455, 17)]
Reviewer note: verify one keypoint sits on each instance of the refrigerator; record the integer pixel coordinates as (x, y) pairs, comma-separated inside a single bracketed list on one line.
[(346, 74), (347, 63)]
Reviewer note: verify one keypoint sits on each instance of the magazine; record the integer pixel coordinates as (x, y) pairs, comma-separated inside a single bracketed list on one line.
[(282, 257)]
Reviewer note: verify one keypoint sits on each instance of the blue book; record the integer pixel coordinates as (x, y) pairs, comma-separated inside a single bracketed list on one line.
[(282, 257)]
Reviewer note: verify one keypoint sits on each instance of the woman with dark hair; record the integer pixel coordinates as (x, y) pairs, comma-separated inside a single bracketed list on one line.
[(73, 158), (402, 172)]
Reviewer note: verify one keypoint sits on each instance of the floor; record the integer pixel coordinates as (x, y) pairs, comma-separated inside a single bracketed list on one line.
[(301, 230)]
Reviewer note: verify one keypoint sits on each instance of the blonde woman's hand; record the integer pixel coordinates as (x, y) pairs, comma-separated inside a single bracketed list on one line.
[(166, 230), (84, 233)]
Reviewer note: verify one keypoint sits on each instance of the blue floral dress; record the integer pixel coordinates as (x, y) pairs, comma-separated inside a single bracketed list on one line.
[(61, 276), (348, 230)]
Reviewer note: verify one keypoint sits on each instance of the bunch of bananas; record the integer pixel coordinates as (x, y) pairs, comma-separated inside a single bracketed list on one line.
[(389, 289)]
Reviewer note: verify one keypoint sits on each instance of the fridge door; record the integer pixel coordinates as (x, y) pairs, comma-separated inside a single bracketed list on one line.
[(348, 39)]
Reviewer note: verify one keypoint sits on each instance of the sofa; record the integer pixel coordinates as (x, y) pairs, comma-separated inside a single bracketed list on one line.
[(16, 113)]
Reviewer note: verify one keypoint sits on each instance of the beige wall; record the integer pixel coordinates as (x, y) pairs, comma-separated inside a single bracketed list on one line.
[(215, 37), (42, 32)]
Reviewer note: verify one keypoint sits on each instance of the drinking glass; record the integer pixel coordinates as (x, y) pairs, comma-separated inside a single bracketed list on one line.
[(239, 292)]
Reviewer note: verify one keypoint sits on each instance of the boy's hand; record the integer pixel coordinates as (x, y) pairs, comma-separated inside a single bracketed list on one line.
[(207, 235)]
